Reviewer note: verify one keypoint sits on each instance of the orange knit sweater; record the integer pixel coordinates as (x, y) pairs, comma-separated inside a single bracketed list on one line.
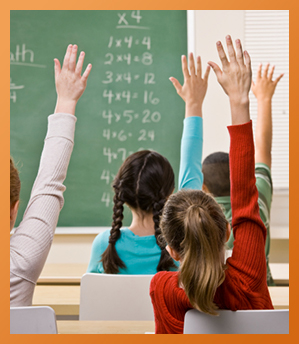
[(245, 284)]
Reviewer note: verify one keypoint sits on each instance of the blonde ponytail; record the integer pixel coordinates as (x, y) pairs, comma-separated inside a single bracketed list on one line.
[(194, 225)]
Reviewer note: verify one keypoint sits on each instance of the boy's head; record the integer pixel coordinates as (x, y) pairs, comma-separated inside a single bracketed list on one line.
[(215, 169)]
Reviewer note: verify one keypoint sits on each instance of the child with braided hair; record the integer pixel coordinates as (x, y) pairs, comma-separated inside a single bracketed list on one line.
[(144, 182)]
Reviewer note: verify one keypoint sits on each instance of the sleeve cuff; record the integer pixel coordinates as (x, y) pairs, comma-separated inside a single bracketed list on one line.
[(61, 125), (241, 128)]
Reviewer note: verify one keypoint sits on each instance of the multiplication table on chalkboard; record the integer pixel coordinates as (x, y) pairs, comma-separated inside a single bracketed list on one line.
[(129, 103)]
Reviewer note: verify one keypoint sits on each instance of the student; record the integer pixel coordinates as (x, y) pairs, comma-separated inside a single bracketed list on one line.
[(32, 239), (144, 182), (195, 228), (215, 167)]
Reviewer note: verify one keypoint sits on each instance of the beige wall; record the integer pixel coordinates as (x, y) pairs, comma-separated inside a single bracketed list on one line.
[(210, 27)]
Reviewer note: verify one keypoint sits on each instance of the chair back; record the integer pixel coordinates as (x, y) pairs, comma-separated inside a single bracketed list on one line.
[(115, 297), (32, 320), (238, 322)]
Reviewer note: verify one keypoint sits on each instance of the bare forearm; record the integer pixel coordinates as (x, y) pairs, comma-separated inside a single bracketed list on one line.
[(263, 132), (192, 110), (239, 111), (65, 106)]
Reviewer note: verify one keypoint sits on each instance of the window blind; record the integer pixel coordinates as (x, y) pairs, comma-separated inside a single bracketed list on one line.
[(267, 41)]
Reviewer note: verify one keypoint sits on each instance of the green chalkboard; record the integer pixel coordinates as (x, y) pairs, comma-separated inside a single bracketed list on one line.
[(129, 103)]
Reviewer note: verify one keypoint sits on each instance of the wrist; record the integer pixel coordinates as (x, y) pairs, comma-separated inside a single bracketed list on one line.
[(241, 101), (193, 110), (240, 112), (264, 100), (65, 106)]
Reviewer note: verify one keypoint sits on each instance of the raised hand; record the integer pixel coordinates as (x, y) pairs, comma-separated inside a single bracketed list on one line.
[(70, 85), (194, 88), (264, 86), (235, 78), (263, 89)]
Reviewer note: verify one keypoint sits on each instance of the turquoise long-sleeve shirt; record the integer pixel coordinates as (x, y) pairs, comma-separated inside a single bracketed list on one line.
[(190, 175), (141, 254)]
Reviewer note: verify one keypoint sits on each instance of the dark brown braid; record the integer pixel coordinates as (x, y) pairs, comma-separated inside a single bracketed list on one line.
[(165, 262), (144, 182), (110, 259)]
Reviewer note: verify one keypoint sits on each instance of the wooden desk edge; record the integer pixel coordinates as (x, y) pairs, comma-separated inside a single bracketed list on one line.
[(105, 327)]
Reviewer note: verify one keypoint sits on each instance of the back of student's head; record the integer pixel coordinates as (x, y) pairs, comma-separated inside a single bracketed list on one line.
[(144, 182), (194, 225), (15, 184), (215, 169)]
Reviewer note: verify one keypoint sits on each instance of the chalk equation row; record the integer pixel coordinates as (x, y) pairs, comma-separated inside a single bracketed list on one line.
[(122, 135), (146, 116), (110, 77), (128, 42), (146, 58), (127, 95)]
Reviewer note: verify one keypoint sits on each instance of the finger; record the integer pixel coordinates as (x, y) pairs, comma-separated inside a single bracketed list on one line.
[(191, 64), (216, 69), (80, 63), (278, 78), (73, 57), (86, 73), (206, 76), (239, 53), (231, 50), (259, 71), (266, 70), (57, 68), (271, 72), (185, 67), (222, 56), (247, 59), (198, 66), (67, 56), (176, 84)]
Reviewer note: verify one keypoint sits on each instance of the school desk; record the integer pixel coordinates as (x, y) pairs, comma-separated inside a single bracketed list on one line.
[(62, 273), (105, 327), (65, 299), (72, 273)]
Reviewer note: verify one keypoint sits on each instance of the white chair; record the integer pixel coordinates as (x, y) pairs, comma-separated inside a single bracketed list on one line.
[(32, 320), (238, 322), (115, 297)]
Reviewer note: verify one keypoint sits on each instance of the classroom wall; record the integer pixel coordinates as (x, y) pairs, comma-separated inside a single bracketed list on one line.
[(210, 26)]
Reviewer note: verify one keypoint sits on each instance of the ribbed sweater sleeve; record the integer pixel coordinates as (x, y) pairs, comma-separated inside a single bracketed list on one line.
[(31, 241), (248, 257)]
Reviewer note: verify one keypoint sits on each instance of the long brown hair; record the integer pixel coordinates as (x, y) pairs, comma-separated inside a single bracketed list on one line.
[(144, 182), (194, 225), (15, 184)]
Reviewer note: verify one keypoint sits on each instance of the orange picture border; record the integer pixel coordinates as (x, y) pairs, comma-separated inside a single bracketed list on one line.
[(4, 180)]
